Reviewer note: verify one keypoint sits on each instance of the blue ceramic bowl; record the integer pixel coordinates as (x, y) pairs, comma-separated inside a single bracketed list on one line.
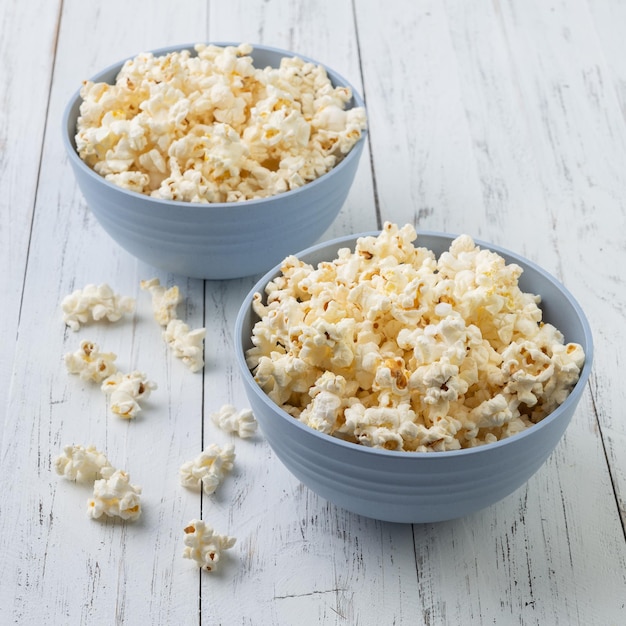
[(218, 240), (412, 486)]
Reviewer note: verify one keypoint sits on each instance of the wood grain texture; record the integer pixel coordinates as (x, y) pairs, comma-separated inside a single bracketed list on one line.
[(23, 102), (501, 119), (607, 18)]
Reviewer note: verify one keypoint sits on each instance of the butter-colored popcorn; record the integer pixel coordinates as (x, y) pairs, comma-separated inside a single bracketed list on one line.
[(187, 345), (89, 363), (164, 301), (125, 391), (213, 128), (115, 496), (328, 398), (242, 422), (81, 463), (94, 302), (390, 347), (208, 469), (204, 546)]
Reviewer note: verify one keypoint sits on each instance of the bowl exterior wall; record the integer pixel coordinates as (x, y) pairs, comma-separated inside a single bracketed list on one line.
[(417, 487), (400, 489), (207, 242)]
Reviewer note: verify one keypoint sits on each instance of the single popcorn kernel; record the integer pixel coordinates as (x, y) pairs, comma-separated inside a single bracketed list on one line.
[(389, 347), (89, 363), (186, 344), (94, 302), (164, 301), (114, 496), (125, 391), (82, 464), (204, 545), (208, 469), (243, 423)]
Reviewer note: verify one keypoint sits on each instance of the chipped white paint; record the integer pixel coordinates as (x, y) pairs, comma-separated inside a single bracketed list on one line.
[(501, 119)]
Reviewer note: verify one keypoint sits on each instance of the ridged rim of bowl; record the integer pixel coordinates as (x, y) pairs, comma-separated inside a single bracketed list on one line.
[(70, 145), (572, 398)]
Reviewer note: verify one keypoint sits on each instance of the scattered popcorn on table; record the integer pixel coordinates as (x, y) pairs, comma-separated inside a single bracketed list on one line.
[(186, 344), (389, 347), (114, 496), (80, 463), (94, 302), (164, 301), (89, 363), (213, 128), (207, 470), (125, 390), (229, 419), (204, 545)]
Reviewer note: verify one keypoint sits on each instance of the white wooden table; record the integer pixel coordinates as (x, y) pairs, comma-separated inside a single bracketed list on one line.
[(502, 119)]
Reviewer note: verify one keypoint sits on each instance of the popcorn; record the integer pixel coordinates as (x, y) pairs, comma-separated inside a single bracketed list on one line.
[(80, 463), (213, 128), (389, 347), (207, 470), (114, 496), (327, 394), (125, 391), (164, 301), (186, 344), (89, 363), (242, 422), (204, 545), (94, 302)]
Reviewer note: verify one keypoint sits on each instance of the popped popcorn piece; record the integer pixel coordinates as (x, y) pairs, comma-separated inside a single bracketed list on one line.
[(164, 301), (208, 469), (213, 128), (204, 545), (327, 394), (89, 363), (186, 344), (80, 463), (241, 422), (125, 391), (94, 302), (390, 347), (115, 496)]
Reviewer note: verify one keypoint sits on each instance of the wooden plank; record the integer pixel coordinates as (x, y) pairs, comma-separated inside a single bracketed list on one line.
[(608, 18), (423, 160), (22, 126)]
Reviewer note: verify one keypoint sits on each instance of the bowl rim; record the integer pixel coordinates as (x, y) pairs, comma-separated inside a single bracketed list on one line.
[(572, 398), (70, 146)]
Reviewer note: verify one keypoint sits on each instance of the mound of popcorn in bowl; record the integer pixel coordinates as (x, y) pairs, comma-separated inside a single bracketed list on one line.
[(390, 347), (213, 127)]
